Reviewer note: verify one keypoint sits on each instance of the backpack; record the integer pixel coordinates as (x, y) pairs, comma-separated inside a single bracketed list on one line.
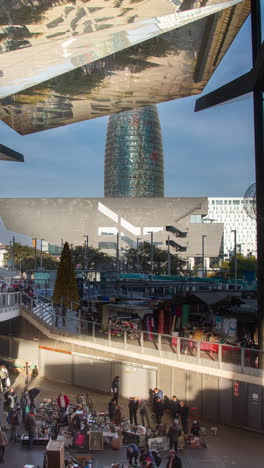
[(157, 457)]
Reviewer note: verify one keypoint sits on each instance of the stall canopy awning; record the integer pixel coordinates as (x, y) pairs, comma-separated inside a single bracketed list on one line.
[(211, 298)]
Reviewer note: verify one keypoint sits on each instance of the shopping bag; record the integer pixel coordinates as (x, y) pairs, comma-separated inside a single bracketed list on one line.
[(79, 440)]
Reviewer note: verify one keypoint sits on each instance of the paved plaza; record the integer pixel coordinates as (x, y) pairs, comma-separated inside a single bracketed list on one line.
[(229, 448)]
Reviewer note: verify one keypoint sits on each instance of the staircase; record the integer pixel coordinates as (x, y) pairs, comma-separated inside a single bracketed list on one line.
[(44, 311)]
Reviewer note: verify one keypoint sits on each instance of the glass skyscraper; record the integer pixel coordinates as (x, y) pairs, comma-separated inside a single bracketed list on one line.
[(133, 155)]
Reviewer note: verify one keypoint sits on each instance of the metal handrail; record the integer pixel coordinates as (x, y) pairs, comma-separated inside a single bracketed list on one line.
[(155, 334), (177, 345)]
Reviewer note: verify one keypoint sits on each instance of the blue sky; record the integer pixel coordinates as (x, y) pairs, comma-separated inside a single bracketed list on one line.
[(209, 153)]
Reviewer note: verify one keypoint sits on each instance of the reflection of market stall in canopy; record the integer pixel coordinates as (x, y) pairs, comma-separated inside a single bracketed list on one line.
[(216, 317), (233, 316), (125, 317)]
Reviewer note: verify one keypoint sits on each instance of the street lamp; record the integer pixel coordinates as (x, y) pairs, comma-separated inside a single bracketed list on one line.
[(169, 257), (117, 256), (34, 245), (138, 239), (235, 254), (41, 240), (86, 252), (151, 252), (203, 237)]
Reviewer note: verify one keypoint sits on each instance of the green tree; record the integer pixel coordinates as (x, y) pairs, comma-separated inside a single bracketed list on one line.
[(24, 258), (66, 290), (244, 264), (160, 260), (97, 260)]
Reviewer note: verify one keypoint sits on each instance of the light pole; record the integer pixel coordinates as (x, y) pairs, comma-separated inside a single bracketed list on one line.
[(138, 239), (41, 240), (235, 254), (203, 237), (86, 263), (117, 256), (151, 253), (12, 253), (169, 257), (34, 245)]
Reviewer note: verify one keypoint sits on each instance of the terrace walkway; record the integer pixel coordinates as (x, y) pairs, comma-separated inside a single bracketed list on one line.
[(204, 356)]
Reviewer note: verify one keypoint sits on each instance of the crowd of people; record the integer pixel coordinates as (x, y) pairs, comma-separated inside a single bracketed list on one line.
[(177, 409), (20, 415)]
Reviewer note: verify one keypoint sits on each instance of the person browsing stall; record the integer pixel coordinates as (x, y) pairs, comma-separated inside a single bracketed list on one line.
[(132, 453), (63, 401), (115, 388)]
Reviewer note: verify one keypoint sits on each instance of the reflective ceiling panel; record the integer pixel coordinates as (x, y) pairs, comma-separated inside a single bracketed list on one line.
[(7, 154), (67, 61)]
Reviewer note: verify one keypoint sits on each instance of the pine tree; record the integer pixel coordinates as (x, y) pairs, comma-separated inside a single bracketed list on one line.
[(66, 290)]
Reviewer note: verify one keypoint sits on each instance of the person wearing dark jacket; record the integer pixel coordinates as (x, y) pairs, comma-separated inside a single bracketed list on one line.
[(30, 425), (111, 409), (195, 429), (173, 460), (115, 389), (133, 407), (158, 410), (173, 434), (184, 414), (24, 403), (10, 396), (132, 452), (63, 420), (3, 445), (157, 393), (130, 409), (144, 413), (32, 393), (117, 416), (14, 424), (175, 407), (149, 458)]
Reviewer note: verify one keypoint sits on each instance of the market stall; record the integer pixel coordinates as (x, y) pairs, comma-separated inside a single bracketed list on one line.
[(124, 317)]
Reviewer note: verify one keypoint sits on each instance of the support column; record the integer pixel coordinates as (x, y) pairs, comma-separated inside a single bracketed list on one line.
[(259, 167)]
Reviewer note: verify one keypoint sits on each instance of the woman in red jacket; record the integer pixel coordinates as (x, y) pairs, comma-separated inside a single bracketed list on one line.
[(63, 401)]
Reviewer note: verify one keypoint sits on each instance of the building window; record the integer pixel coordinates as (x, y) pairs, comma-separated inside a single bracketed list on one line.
[(107, 231), (196, 219), (107, 245), (219, 202), (236, 202)]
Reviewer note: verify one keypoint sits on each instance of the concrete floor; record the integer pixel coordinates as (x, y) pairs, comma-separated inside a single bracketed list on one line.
[(230, 447)]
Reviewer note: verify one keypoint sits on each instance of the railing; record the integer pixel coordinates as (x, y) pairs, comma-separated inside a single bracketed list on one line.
[(206, 353), (9, 300)]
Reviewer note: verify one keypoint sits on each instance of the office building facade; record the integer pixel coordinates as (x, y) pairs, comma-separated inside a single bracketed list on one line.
[(230, 211), (134, 164)]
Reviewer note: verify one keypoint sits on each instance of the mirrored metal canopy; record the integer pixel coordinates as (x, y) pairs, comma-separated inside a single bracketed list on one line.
[(7, 154), (67, 61)]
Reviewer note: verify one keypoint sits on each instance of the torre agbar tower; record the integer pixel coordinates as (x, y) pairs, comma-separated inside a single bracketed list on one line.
[(133, 156)]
